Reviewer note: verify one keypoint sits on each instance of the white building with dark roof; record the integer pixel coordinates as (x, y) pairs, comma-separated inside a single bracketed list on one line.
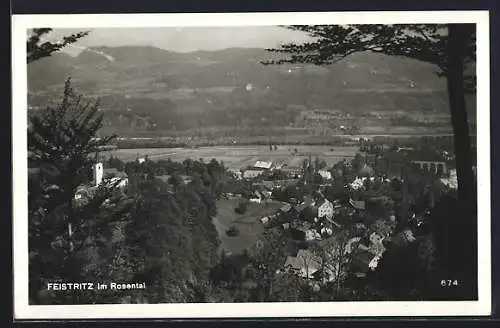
[(325, 174), (325, 209), (266, 165), (250, 174)]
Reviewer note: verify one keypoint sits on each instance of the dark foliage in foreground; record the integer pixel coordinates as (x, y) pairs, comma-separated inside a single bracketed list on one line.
[(38, 48)]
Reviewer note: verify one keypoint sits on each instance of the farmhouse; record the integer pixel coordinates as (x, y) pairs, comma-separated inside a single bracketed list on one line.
[(112, 177), (266, 165), (325, 209), (325, 174), (357, 204), (306, 263), (116, 177), (250, 174), (237, 173), (451, 181)]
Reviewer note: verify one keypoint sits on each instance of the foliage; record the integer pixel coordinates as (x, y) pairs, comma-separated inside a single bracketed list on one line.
[(232, 231), (37, 48), (451, 47), (423, 42), (62, 137), (114, 162), (60, 142), (334, 262), (241, 208), (172, 266)]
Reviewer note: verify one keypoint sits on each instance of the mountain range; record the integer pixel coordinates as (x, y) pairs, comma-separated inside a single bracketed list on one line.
[(151, 89)]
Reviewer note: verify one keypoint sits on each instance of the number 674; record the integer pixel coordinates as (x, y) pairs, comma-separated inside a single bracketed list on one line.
[(449, 282)]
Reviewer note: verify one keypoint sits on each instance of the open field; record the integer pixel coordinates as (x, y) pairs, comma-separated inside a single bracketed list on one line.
[(248, 224), (241, 156)]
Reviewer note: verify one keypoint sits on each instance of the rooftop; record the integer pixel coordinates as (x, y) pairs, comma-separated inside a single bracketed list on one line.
[(305, 261), (286, 208), (114, 172), (263, 164), (357, 204)]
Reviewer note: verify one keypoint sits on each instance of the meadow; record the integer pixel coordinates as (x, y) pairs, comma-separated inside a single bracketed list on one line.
[(236, 157), (248, 224)]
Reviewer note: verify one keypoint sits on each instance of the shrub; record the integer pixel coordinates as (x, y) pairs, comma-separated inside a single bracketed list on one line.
[(232, 231), (241, 208)]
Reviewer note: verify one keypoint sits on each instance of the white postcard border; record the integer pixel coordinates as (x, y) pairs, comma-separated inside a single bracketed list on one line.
[(22, 309)]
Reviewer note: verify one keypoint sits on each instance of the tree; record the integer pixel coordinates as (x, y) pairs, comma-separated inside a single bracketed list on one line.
[(400, 262), (357, 163), (267, 256), (450, 47), (37, 48), (334, 258), (60, 142), (242, 207)]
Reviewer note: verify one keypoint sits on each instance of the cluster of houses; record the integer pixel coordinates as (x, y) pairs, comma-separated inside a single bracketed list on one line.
[(318, 221), (100, 175), (261, 167)]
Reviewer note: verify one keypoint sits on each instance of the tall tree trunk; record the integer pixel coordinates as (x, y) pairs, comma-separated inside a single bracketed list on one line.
[(456, 92), (466, 186), (71, 269)]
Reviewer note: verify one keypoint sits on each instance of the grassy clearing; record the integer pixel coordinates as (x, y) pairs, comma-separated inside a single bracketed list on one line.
[(248, 224), (240, 156)]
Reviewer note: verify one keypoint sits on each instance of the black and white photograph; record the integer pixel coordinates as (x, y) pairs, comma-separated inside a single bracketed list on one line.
[(251, 165)]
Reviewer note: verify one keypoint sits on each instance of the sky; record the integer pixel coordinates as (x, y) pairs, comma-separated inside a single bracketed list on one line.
[(187, 39)]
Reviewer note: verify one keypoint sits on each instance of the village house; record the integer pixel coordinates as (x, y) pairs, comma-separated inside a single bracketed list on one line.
[(293, 171), (265, 189), (325, 209), (251, 174), (285, 208), (237, 173), (451, 181), (279, 164), (116, 177), (363, 262), (305, 263), (358, 206), (263, 165), (325, 174), (256, 197), (403, 238), (112, 177)]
